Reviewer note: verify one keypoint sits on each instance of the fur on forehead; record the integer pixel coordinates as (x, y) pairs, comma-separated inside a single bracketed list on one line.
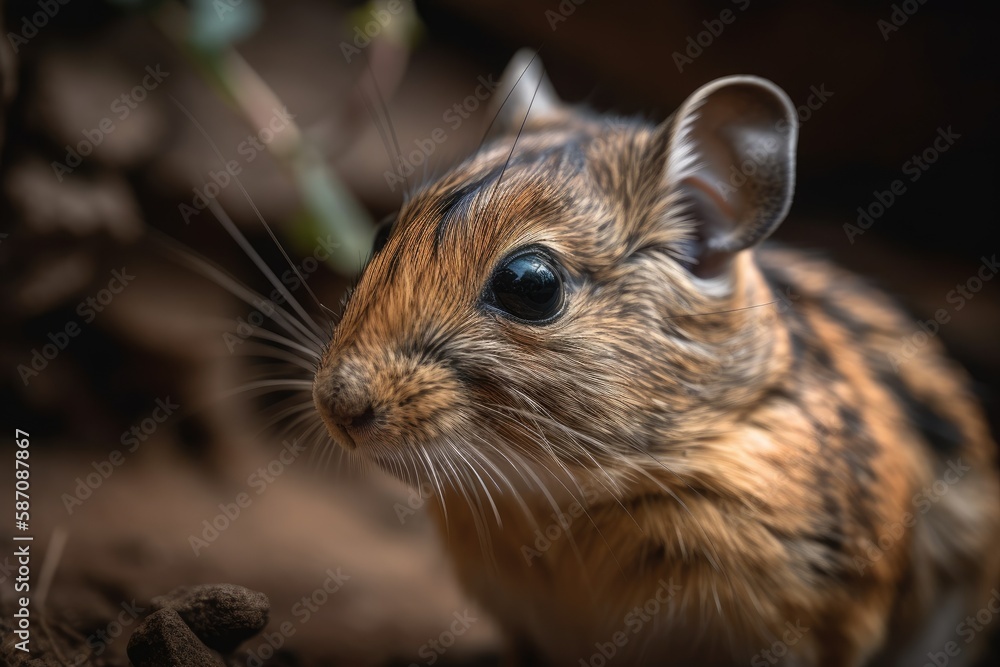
[(593, 192)]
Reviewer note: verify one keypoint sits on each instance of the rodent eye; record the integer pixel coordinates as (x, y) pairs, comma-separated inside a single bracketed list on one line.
[(529, 287)]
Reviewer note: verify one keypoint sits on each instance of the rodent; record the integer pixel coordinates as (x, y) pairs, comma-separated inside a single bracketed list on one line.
[(653, 437)]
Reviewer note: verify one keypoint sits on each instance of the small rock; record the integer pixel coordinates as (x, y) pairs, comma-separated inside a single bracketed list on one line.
[(164, 640), (222, 615)]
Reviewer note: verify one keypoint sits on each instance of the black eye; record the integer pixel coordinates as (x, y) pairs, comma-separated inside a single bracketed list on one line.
[(382, 235), (529, 287)]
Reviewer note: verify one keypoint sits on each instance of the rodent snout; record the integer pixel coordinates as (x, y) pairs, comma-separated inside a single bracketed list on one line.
[(385, 400), (345, 406), (352, 416)]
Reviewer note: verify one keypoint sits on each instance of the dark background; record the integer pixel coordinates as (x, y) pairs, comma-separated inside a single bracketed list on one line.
[(161, 337)]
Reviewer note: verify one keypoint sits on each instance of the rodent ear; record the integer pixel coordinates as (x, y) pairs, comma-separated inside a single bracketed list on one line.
[(730, 161), (524, 90)]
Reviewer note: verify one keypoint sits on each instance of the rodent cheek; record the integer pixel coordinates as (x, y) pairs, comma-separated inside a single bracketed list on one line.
[(424, 404)]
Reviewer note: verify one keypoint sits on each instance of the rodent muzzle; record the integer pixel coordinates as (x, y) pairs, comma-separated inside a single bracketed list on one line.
[(353, 419), (345, 407), (351, 408), (384, 400)]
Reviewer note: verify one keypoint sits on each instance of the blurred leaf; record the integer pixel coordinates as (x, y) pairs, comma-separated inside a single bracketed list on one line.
[(217, 24), (205, 34), (332, 210), (403, 28)]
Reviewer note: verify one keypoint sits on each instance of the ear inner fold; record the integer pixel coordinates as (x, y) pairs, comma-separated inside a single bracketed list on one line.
[(731, 161)]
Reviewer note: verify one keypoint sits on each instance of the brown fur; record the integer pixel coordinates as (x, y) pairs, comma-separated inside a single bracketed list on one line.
[(742, 437)]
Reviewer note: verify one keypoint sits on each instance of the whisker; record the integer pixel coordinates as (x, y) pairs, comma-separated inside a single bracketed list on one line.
[(316, 427), (233, 231), (489, 496), (509, 93), (513, 489), (270, 352), (284, 413), (264, 334), (722, 312), (586, 511), (388, 122), (187, 257), (227, 223), (475, 505), (439, 489), (263, 384), (572, 433), (253, 205), (520, 130), (225, 325), (310, 431)]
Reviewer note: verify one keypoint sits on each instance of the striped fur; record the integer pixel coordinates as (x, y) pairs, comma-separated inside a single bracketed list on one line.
[(740, 439)]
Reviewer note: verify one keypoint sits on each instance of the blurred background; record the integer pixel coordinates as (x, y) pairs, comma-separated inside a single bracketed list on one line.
[(133, 133)]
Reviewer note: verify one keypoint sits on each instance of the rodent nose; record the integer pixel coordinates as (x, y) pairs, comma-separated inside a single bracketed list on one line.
[(353, 417)]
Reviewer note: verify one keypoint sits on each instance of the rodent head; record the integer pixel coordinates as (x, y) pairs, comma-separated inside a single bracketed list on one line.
[(578, 292)]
